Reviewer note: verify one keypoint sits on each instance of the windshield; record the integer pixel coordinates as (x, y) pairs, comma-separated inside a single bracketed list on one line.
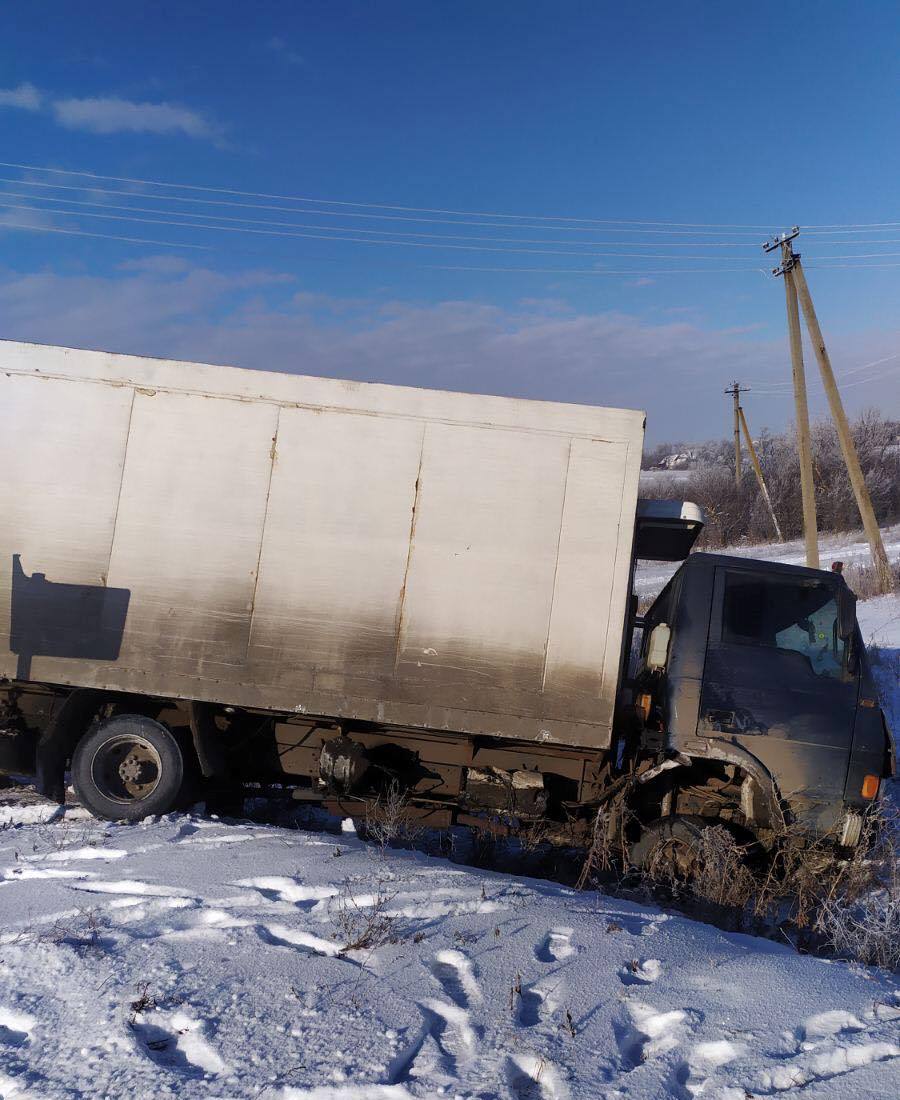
[(787, 614)]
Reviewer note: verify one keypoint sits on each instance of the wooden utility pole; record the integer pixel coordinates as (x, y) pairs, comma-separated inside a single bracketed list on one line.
[(801, 410), (757, 469), (796, 288), (736, 391), (848, 447), (804, 445)]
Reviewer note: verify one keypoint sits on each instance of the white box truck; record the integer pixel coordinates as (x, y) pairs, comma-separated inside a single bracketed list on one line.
[(248, 577)]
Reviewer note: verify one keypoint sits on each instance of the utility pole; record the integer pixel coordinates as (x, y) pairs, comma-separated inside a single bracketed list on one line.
[(736, 391), (804, 446), (757, 469), (848, 448)]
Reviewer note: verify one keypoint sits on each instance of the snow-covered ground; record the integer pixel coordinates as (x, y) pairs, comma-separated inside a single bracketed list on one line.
[(186, 957), (879, 622), (850, 548)]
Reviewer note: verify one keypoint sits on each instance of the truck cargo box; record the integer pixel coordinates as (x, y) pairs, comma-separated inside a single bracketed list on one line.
[(401, 556)]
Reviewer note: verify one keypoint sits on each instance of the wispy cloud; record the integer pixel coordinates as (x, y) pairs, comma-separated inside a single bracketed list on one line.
[(162, 305), (278, 45), (113, 114), (18, 219), (26, 97)]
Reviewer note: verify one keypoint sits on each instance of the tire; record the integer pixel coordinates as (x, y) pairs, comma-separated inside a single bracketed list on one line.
[(127, 768), (672, 840)]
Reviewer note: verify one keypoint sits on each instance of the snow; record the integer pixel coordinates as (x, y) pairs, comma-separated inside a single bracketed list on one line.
[(217, 966), (850, 548), (879, 623)]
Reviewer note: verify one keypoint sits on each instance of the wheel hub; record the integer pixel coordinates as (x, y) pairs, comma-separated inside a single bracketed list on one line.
[(130, 769), (126, 768)]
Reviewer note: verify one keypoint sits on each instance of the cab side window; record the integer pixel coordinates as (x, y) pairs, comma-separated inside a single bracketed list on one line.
[(797, 616)]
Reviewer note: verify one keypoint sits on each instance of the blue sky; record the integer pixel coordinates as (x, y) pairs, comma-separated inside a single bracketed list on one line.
[(719, 116)]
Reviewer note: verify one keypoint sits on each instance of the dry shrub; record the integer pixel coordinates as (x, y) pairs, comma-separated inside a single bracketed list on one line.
[(860, 919), (607, 847), (738, 513), (720, 875), (864, 580), (390, 821), (845, 906), (363, 922)]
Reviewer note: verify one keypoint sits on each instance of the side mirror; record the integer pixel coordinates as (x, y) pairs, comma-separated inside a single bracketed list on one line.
[(846, 606)]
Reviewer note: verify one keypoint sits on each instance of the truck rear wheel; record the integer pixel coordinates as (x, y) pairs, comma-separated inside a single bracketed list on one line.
[(127, 768)]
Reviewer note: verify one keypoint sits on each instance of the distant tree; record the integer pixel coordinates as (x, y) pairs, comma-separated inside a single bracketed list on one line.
[(739, 514)]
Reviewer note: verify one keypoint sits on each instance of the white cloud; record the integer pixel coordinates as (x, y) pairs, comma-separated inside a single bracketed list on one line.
[(26, 97), (278, 45), (675, 370), (111, 115), (164, 264), (16, 219)]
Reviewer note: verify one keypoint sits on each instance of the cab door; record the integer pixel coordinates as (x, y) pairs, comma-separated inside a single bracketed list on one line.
[(776, 681)]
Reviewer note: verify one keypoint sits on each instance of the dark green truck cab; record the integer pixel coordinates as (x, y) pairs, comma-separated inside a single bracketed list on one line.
[(765, 708)]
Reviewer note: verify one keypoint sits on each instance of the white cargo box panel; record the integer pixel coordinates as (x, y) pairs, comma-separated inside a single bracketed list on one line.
[(438, 560)]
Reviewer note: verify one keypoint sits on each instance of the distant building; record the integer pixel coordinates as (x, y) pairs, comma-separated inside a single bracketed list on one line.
[(683, 460)]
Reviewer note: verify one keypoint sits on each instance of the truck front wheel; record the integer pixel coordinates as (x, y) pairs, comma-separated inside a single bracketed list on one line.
[(668, 849), (128, 767)]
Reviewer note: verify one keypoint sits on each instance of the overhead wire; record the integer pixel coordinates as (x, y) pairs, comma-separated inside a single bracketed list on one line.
[(773, 387), (377, 205), (381, 232), (66, 231), (387, 237), (323, 236), (368, 216), (83, 189)]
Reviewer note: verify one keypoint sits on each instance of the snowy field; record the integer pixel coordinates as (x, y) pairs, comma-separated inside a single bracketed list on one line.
[(185, 957), (188, 957), (849, 548)]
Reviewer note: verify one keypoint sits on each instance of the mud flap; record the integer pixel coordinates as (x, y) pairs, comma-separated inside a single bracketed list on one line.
[(56, 743)]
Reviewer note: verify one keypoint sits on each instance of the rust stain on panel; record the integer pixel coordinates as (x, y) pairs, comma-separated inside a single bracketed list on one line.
[(401, 605)]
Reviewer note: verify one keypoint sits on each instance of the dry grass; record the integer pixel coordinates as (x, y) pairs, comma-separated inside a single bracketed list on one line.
[(805, 891), (861, 919), (863, 578), (364, 922), (389, 820), (605, 849)]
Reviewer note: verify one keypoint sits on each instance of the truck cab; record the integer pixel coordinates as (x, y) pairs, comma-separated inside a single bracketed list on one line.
[(753, 682)]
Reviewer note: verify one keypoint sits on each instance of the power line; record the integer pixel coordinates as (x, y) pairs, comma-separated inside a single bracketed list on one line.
[(376, 217), (633, 274), (378, 205), (661, 225), (104, 236), (345, 229), (323, 236), (319, 213), (344, 214)]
